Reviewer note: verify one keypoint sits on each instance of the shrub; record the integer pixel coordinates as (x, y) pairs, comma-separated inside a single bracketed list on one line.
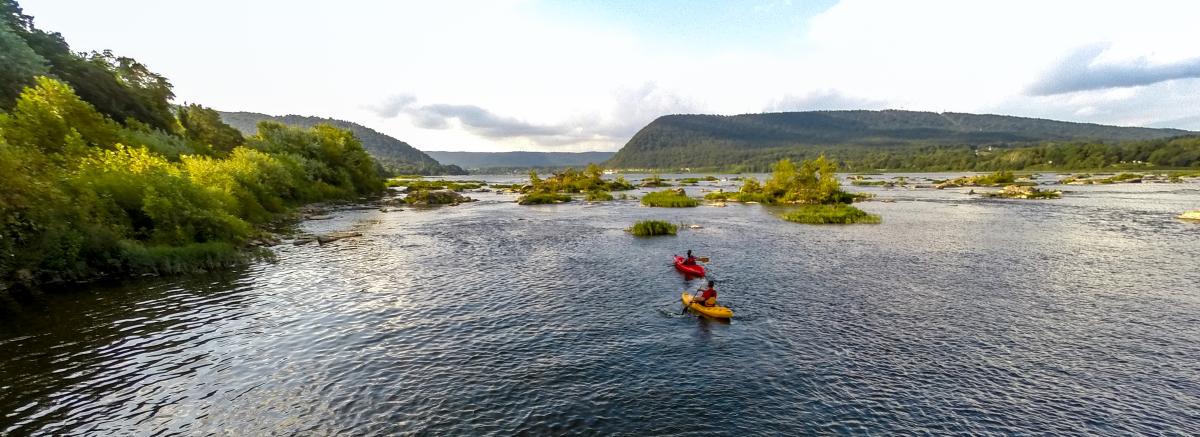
[(830, 214), (543, 198), (650, 228), (669, 199)]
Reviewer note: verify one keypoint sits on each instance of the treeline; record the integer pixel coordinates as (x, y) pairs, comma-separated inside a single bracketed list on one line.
[(101, 175), (1178, 152)]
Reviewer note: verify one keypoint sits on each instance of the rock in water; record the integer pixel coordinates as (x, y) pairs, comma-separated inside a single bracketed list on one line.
[(329, 238)]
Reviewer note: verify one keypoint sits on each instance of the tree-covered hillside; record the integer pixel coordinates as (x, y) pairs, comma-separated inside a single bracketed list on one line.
[(857, 138), (395, 155), (519, 160), (101, 175)]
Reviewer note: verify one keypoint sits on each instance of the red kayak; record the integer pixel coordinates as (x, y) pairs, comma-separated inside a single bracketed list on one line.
[(694, 270)]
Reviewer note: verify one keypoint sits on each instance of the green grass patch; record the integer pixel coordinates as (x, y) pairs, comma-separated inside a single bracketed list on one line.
[(598, 196), (737, 196), (669, 199), (837, 213), (435, 185), (689, 181), (543, 199), (868, 183), (650, 228), (654, 181)]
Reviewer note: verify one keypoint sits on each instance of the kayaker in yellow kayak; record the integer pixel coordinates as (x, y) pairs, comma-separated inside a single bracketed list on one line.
[(708, 296)]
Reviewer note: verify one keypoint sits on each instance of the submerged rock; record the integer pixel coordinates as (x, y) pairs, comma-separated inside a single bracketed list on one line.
[(329, 238)]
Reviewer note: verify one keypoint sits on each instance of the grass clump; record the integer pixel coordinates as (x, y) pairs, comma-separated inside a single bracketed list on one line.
[(654, 181), (543, 199), (669, 199), (598, 196), (416, 185), (689, 181), (650, 228), (841, 214), (711, 178)]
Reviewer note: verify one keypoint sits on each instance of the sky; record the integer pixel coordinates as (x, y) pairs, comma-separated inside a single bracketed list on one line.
[(586, 75)]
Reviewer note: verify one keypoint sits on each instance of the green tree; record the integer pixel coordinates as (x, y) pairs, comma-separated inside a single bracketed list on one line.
[(204, 126), (49, 117), (19, 64)]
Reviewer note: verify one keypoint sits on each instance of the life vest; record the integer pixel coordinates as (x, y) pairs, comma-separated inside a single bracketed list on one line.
[(708, 297)]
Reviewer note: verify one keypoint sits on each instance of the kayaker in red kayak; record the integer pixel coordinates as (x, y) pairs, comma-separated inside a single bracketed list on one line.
[(690, 260), (708, 296)]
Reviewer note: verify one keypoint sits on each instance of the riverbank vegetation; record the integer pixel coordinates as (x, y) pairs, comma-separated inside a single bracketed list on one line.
[(650, 228), (669, 199), (101, 175)]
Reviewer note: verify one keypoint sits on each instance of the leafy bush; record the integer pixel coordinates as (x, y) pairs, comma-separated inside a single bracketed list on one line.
[(650, 228), (572, 181), (543, 198), (830, 214), (669, 199)]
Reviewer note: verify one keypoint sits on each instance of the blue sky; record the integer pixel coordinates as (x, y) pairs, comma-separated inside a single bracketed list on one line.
[(585, 75)]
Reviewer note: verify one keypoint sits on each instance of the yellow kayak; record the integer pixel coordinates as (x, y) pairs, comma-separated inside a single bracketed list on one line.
[(716, 312)]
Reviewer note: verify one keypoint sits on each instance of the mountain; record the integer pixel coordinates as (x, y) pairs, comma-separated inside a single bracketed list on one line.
[(397, 156), (517, 160), (755, 140)]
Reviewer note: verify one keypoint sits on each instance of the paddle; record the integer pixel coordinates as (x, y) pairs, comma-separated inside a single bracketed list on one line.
[(702, 259), (687, 304)]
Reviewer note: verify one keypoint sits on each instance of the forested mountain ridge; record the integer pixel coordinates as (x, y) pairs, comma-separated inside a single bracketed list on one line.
[(397, 156), (515, 160), (753, 140)]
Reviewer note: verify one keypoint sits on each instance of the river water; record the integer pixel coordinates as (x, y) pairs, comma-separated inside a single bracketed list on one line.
[(957, 314)]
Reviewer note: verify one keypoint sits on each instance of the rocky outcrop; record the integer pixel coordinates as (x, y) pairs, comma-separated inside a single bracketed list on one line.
[(1024, 192)]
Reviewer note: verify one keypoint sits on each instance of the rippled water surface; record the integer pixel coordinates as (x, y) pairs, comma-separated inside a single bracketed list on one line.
[(956, 314)]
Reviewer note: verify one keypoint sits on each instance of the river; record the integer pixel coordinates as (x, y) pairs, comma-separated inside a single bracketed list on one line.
[(957, 314)]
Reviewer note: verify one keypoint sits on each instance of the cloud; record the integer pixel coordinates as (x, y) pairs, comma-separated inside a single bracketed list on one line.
[(1163, 104), (822, 100), (1084, 69), (632, 108), (471, 118), (635, 107)]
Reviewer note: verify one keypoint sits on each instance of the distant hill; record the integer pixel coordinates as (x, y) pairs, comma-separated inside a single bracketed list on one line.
[(394, 154), (514, 160), (755, 140)]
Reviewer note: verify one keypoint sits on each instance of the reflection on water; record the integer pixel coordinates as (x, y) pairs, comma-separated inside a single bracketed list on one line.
[(957, 314)]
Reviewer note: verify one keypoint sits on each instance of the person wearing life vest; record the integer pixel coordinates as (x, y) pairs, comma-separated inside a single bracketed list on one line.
[(707, 296), (689, 260)]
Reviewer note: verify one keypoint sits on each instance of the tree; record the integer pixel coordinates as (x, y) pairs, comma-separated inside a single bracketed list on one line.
[(19, 64), (204, 125), (50, 118)]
